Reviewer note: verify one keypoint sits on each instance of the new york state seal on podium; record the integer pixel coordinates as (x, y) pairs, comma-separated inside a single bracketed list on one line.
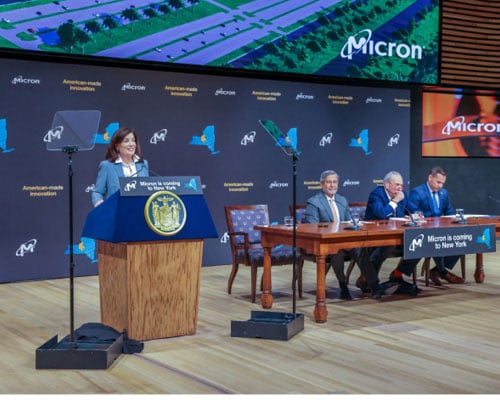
[(165, 213)]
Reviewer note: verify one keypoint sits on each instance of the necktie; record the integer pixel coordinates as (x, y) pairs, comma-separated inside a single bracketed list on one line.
[(437, 212), (335, 211)]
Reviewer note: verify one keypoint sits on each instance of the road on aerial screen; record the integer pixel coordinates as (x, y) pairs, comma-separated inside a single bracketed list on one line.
[(236, 32), (197, 42), (53, 15)]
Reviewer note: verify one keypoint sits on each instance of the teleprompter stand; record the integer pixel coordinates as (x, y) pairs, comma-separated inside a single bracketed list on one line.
[(73, 131), (269, 324)]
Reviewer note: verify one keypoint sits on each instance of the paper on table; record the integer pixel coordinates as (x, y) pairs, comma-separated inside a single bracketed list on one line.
[(469, 216)]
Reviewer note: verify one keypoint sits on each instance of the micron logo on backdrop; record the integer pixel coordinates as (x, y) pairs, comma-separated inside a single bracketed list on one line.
[(130, 86), (26, 247), (225, 92), (159, 136), (278, 185), (19, 79), (248, 138), (361, 42)]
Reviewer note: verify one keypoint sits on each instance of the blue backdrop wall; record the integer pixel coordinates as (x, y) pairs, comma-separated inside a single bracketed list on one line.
[(188, 124)]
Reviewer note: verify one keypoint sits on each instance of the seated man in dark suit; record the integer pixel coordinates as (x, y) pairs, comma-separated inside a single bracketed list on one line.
[(384, 202), (328, 206), (432, 199)]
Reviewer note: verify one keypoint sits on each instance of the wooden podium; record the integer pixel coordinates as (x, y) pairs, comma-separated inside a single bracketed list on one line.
[(149, 284)]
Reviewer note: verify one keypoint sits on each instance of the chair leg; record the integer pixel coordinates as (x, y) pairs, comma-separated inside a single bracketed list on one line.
[(253, 278), (232, 275), (425, 269), (328, 265), (350, 267), (300, 264), (462, 265)]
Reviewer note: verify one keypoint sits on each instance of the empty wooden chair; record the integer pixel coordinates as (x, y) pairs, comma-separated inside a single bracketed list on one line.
[(246, 247)]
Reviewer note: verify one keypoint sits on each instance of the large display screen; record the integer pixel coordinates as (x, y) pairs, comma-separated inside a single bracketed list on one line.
[(382, 40), (457, 124)]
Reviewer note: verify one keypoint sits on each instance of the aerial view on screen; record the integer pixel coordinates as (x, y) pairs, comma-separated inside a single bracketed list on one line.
[(391, 40)]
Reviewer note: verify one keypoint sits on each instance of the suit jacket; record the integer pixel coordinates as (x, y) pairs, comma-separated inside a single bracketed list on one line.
[(318, 209), (422, 200), (378, 206), (108, 176)]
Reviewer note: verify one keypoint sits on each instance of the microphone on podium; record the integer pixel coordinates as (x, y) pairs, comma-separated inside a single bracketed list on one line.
[(412, 220), (355, 224), (150, 172), (461, 217), (493, 198)]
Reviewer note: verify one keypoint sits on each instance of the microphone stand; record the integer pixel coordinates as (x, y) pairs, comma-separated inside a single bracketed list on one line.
[(412, 222), (494, 199), (355, 223), (462, 219)]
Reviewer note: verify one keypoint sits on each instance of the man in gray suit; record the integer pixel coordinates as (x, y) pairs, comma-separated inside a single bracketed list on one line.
[(328, 206)]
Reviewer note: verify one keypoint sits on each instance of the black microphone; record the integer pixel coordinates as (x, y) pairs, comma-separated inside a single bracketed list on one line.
[(355, 225), (153, 173), (493, 198), (412, 220), (142, 167), (136, 172)]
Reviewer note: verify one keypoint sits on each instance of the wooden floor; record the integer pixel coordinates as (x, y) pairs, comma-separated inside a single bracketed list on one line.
[(446, 340)]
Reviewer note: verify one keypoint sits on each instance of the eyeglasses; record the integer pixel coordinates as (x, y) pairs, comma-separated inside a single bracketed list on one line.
[(396, 184)]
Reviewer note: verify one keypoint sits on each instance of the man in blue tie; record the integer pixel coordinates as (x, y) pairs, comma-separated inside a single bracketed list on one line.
[(432, 199), (386, 202)]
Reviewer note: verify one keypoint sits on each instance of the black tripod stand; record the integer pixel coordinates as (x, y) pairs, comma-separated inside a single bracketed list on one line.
[(70, 150), (73, 131), (294, 231), (268, 324)]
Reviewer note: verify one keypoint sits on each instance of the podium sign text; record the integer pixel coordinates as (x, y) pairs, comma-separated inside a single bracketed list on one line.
[(447, 241), (146, 186)]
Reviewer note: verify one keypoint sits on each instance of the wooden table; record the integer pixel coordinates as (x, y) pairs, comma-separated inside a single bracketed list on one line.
[(323, 239)]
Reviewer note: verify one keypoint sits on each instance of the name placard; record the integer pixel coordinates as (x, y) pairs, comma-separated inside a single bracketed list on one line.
[(448, 241), (146, 186)]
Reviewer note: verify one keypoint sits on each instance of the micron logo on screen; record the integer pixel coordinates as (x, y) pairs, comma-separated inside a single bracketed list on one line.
[(362, 42), (459, 124)]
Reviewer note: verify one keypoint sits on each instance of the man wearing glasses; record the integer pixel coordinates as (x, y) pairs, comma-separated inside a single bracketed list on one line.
[(385, 202), (329, 206)]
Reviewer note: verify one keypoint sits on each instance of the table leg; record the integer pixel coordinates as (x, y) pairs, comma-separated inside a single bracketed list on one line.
[(266, 298), (479, 273), (320, 311)]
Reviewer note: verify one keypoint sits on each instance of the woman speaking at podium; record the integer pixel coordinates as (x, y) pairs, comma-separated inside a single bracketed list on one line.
[(123, 159)]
